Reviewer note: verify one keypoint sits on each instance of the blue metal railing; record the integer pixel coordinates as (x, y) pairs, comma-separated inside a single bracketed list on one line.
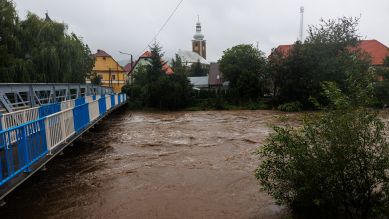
[(80, 101), (81, 117), (49, 109), (102, 106), (24, 145), (20, 147)]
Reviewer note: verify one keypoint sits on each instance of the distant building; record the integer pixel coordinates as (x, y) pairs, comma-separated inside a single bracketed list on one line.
[(199, 83), (377, 51), (109, 71), (128, 67), (216, 79), (199, 45), (143, 60)]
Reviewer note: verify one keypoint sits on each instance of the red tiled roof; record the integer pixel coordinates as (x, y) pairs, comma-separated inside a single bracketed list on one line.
[(374, 48), (167, 69), (148, 54), (284, 49), (101, 53)]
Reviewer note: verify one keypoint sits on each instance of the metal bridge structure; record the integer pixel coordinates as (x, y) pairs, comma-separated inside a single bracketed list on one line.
[(40, 120), (21, 96)]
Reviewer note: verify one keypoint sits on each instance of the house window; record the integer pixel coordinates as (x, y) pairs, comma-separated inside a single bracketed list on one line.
[(113, 77)]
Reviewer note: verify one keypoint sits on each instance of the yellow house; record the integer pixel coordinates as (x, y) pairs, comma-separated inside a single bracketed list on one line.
[(109, 71)]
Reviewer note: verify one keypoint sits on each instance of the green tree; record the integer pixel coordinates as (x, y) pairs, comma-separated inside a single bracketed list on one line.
[(381, 87), (8, 41), (38, 50), (198, 70), (386, 61), (275, 69), (327, 54), (152, 87), (244, 67), (335, 164)]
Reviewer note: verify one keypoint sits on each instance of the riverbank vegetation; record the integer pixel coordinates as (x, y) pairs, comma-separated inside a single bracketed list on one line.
[(336, 164), (37, 50)]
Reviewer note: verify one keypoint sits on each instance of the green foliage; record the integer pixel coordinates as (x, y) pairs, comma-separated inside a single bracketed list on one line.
[(386, 61), (336, 163), (152, 87), (290, 107), (198, 70), (244, 67), (95, 79), (381, 87), (326, 55), (36, 50)]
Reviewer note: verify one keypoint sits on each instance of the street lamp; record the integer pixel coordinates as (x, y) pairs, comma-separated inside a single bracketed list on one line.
[(132, 70), (131, 61)]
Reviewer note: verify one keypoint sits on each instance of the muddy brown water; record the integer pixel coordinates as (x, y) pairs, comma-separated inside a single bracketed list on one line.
[(155, 165)]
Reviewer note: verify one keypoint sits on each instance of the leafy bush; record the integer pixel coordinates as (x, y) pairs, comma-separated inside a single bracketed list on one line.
[(291, 107), (336, 164)]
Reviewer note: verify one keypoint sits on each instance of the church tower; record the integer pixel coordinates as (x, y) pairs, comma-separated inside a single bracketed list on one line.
[(199, 45)]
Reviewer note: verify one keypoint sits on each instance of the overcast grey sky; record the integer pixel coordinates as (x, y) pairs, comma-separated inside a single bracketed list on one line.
[(128, 25)]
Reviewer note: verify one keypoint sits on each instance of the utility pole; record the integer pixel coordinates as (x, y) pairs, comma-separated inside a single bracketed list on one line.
[(110, 78), (131, 61)]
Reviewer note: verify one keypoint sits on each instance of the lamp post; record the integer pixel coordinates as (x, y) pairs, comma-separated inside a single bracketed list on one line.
[(131, 61)]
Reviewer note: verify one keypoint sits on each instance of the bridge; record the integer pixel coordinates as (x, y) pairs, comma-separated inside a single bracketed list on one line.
[(37, 121)]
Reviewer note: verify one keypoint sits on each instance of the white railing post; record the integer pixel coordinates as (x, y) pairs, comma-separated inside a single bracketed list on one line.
[(48, 136)]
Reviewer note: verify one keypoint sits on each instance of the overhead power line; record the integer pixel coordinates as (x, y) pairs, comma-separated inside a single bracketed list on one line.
[(164, 25)]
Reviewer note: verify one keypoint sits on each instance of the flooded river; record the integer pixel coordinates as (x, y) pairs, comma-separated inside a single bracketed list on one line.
[(154, 165)]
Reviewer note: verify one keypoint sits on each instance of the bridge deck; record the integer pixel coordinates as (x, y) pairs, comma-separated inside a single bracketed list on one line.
[(32, 137)]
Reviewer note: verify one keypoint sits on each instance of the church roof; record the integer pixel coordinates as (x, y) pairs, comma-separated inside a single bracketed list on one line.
[(191, 57)]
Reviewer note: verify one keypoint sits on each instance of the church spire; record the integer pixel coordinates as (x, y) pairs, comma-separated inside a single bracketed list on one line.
[(198, 42), (198, 35)]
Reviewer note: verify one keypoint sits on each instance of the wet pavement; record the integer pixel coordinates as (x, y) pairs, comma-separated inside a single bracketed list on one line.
[(155, 165)]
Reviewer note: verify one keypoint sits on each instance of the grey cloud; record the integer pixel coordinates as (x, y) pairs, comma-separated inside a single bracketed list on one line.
[(129, 25)]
